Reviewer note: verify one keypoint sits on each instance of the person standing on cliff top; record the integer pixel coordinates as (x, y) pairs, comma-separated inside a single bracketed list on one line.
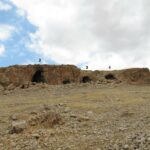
[(40, 60)]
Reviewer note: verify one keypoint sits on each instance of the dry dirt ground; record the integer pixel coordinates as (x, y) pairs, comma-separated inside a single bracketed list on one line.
[(80, 117)]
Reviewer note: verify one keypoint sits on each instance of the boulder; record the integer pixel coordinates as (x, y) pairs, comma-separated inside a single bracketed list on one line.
[(18, 126), (25, 85), (11, 87), (45, 119)]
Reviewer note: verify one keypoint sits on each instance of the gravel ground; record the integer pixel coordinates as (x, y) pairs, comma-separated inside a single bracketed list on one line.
[(93, 117)]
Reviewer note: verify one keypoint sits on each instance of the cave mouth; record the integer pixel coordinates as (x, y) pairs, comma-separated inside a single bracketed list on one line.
[(38, 77), (66, 81), (110, 77), (86, 79)]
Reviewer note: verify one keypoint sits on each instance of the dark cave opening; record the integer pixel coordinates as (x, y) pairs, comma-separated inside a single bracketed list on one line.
[(66, 81), (38, 77), (110, 77), (86, 79)]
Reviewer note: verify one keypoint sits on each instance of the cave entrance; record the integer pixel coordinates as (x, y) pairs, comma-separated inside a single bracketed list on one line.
[(66, 81), (86, 79), (38, 77), (110, 77)]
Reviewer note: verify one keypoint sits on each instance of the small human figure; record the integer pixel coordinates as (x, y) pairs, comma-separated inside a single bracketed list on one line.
[(40, 60), (87, 67), (109, 67)]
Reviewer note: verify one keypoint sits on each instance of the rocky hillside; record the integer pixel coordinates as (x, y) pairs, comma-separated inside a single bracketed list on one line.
[(14, 76), (135, 76), (128, 76), (50, 74)]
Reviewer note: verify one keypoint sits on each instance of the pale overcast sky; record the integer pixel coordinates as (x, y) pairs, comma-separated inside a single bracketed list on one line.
[(97, 33)]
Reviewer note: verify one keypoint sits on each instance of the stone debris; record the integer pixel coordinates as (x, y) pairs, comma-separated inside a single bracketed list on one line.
[(126, 147), (6, 92), (44, 130), (73, 115), (25, 85), (1, 88), (59, 126), (11, 87), (36, 135), (45, 119), (83, 118), (67, 109), (18, 126), (13, 117), (90, 113)]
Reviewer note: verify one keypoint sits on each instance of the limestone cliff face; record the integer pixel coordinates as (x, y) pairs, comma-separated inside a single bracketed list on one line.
[(50, 74)]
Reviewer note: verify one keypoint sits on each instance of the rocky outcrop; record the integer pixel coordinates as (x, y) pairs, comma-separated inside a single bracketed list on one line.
[(135, 76), (128, 76), (50, 74), (13, 76)]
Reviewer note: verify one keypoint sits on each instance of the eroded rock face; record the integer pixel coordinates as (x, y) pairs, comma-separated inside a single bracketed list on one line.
[(50, 74), (135, 75), (22, 76), (4, 80), (127, 76)]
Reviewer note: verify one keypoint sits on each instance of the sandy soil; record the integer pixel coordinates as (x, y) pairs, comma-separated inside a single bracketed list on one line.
[(93, 117)]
